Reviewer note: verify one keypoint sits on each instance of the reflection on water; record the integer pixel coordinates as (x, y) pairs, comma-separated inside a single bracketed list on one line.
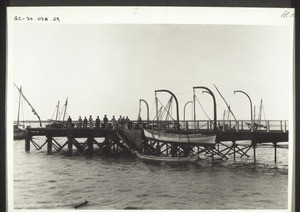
[(57, 181)]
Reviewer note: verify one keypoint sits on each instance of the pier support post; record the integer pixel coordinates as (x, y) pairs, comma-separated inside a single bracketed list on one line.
[(27, 143), (49, 144), (90, 145), (106, 148), (212, 156), (254, 151), (275, 152), (234, 145), (70, 144)]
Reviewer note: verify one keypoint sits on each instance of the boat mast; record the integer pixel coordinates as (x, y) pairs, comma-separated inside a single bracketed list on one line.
[(259, 113), (57, 111), (65, 109), (177, 110), (225, 102), (156, 104), (19, 106), (33, 110), (194, 101)]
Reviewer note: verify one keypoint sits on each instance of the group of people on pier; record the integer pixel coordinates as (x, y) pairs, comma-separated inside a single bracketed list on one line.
[(120, 123)]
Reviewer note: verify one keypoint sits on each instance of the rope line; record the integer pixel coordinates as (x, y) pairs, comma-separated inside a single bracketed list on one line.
[(202, 108), (166, 110)]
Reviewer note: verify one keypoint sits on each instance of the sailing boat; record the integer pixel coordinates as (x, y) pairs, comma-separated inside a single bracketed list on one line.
[(177, 135), (57, 123), (18, 132)]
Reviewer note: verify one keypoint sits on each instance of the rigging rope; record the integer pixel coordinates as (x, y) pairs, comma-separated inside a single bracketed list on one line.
[(169, 109), (202, 108), (165, 109), (158, 112), (209, 99), (22, 113)]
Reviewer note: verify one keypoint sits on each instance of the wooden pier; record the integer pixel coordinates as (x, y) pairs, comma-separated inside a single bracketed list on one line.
[(113, 141)]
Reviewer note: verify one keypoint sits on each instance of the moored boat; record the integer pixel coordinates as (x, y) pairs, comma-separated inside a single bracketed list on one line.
[(19, 133), (187, 138), (166, 158)]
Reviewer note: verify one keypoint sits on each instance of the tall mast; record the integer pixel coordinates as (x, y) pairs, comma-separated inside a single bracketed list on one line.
[(260, 112), (194, 101), (156, 104), (65, 109), (176, 101), (19, 106), (57, 111), (225, 102), (33, 110)]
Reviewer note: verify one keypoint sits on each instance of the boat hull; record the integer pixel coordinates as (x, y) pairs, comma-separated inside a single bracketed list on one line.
[(166, 159), (180, 138), (19, 134)]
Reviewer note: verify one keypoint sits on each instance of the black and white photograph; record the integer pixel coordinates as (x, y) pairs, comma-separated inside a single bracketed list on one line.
[(150, 108)]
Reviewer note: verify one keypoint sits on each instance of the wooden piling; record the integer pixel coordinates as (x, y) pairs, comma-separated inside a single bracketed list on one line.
[(49, 144), (70, 144), (27, 143), (212, 156), (254, 152), (234, 145), (107, 147), (275, 152), (90, 145)]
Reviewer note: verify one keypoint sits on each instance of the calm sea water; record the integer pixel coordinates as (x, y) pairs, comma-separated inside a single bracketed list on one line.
[(59, 181)]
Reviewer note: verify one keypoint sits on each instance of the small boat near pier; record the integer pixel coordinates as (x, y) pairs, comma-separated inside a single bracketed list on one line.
[(183, 138), (167, 158)]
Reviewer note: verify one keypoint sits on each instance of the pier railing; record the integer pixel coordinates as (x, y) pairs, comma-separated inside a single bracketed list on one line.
[(239, 125), (230, 125)]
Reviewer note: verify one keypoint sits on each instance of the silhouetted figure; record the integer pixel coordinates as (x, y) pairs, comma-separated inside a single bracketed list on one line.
[(97, 122), (123, 122), (105, 120), (127, 123), (114, 123), (120, 122), (69, 125), (85, 122), (79, 123), (91, 122)]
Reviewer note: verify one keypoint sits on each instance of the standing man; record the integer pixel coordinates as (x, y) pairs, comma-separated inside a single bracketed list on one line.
[(91, 122), (79, 124), (123, 122), (127, 123), (97, 122), (69, 125), (85, 122), (119, 122), (114, 122), (105, 120)]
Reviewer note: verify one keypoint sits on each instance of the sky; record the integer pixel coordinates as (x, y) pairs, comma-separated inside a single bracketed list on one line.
[(107, 68)]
